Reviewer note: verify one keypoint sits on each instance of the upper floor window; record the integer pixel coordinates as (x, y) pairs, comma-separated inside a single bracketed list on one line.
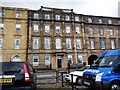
[(111, 32), (36, 16), (92, 46), (18, 26), (47, 16), (67, 29), (47, 28), (112, 41), (35, 43), (2, 14), (78, 44), (90, 31), (36, 28), (68, 43), (57, 17), (1, 26), (1, 42), (77, 30), (101, 31), (67, 18), (76, 18), (57, 29), (58, 43), (89, 20), (47, 43), (18, 15), (109, 21), (100, 20), (17, 43), (102, 43)]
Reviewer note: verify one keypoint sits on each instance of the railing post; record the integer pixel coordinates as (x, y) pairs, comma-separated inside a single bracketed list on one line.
[(72, 81)]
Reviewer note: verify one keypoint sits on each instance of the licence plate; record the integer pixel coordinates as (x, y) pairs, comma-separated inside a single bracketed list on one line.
[(87, 83), (6, 80)]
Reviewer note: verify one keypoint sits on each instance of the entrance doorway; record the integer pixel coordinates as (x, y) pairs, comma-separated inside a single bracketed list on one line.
[(91, 59), (59, 61)]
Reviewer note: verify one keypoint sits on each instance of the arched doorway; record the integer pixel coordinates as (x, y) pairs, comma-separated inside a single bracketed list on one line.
[(91, 59), (16, 58)]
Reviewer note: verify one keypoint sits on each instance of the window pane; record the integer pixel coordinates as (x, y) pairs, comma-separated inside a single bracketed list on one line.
[(91, 44), (35, 28), (67, 29), (36, 16), (102, 44), (47, 28), (57, 17), (77, 30), (76, 18), (18, 15), (111, 32), (67, 18), (18, 26), (69, 58), (89, 20), (47, 60), (57, 29), (112, 43), (78, 44), (68, 43), (35, 60), (47, 43), (17, 43), (101, 31), (47, 16), (80, 59), (58, 44), (35, 43)]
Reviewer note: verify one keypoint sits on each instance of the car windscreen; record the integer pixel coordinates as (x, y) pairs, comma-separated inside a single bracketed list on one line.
[(14, 67), (107, 61)]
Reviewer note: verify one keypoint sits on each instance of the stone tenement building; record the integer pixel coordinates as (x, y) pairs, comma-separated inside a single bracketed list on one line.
[(52, 37), (13, 34), (58, 36)]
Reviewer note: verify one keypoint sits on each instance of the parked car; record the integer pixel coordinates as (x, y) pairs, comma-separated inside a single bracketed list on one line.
[(77, 76), (17, 76), (105, 72)]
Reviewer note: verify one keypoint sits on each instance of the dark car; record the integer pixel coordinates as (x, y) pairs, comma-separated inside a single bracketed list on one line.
[(17, 76)]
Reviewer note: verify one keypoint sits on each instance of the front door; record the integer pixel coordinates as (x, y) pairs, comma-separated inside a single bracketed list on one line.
[(59, 61)]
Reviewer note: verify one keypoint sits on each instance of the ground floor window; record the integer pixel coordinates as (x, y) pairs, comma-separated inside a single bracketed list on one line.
[(47, 60), (69, 58), (80, 59), (16, 58), (35, 60), (1, 58)]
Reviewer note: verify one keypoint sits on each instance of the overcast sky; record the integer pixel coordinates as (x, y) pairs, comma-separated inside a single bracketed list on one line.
[(87, 7)]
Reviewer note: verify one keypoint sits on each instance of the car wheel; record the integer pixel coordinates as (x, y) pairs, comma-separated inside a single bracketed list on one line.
[(115, 86), (79, 81)]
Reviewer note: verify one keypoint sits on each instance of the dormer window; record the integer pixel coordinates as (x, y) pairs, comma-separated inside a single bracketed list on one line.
[(109, 21), (47, 16), (18, 15), (36, 16), (89, 20), (76, 18), (57, 17), (67, 18), (100, 20)]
